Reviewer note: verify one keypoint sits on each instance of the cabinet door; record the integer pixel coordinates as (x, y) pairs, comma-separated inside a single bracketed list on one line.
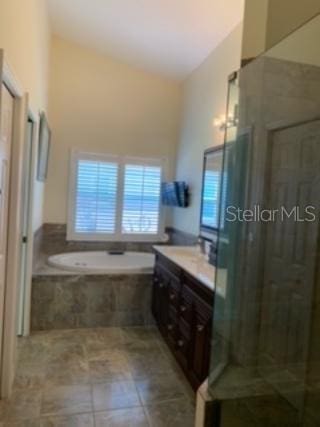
[(186, 306), (156, 308), (172, 328), (160, 300), (202, 326), (184, 344)]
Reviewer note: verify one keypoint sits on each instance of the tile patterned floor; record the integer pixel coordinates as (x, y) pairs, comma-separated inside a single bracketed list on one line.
[(112, 377)]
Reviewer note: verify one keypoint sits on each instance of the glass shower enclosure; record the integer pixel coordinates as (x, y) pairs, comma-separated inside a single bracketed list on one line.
[(265, 361)]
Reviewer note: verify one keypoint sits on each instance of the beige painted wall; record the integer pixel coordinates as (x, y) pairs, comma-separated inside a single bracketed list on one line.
[(25, 38), (101, 105), (254, 28), (285, 16), (302, 46), (266, 22), (204, 98)]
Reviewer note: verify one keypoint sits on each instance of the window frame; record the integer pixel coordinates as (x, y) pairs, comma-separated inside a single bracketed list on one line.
[(122, 161), (206, 231)]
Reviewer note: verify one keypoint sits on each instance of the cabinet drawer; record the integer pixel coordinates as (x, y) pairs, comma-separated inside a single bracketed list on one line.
[(166, 276), (184, 344), (205, 294), (204, 310), (173, 296), (168, 266), (172, 327), (185, 305), (183, 309)]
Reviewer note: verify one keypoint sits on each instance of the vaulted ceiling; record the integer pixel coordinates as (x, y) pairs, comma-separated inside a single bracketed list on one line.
[(171, 37)]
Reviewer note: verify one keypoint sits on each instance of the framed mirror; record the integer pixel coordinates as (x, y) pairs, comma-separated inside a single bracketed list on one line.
[(211, 191)]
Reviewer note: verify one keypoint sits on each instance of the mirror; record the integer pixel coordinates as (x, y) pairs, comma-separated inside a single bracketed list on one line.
[(211, 191)]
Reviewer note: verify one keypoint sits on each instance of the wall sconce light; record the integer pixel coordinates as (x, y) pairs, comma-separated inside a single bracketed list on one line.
[(222, 122)]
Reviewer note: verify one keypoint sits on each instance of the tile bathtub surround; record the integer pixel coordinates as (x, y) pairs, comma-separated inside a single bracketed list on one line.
[(181, 238), (54, 241), (84, 301), (37, 248), (51, 239), (156, 401)]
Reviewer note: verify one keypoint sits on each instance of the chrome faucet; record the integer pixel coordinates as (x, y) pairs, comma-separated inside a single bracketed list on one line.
[(202, 245)]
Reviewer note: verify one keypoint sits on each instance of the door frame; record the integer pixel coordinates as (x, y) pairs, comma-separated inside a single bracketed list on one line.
[(34, 118), (8, 361)]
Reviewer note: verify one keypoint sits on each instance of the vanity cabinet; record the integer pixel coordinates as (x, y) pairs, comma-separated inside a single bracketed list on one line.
[(183, 310)]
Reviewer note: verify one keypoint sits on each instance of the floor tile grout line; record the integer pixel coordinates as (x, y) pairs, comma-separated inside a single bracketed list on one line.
[(146, 414), (160, 402), (125, 342), (74, 414), (101, 411), (63, 415)]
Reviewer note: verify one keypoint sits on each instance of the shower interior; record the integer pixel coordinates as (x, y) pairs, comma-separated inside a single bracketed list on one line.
[(265, 366)]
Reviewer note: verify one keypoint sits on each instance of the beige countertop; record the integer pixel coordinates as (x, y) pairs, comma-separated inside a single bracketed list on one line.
[(192, 261)]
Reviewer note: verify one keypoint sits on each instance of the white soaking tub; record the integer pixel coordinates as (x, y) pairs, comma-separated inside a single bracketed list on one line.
[(104, 262)]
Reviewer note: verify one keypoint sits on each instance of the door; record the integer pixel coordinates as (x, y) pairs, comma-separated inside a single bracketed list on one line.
[(159, 300), (290, 258), (201, 340), (26, 214), (6, 124)]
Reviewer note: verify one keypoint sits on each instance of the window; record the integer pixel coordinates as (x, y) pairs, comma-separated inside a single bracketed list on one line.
[(214, 182), (141, 199), (114, 198), (210, 202), (96, 197)]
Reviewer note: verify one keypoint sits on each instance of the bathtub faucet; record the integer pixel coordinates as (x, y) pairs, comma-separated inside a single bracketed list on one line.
[(115, 252)]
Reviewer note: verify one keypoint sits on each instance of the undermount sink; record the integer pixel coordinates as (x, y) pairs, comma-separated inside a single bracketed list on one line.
[(190, 259), (184, 251)]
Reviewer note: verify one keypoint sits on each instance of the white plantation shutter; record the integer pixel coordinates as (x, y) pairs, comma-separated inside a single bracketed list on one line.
[(114, 198), (141, 199), (96, 197), (210, 207), (211, 199)]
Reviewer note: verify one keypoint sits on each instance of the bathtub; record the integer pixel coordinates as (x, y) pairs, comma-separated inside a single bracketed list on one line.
[(104, 262)]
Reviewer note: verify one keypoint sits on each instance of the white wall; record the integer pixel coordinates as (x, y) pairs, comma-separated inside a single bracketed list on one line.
[(98, 104), (25, 38), (204, 98)]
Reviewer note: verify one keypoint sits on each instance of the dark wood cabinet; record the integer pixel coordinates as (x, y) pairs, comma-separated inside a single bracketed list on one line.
[(182, 308)]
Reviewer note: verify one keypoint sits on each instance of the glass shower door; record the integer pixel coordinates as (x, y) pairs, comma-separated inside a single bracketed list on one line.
[(265, 361)]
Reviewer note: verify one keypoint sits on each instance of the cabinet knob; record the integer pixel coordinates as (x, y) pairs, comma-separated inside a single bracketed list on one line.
[(200, 328), (161, 285), (170, 327), (172, 297), (183, 308), (180, 343)]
